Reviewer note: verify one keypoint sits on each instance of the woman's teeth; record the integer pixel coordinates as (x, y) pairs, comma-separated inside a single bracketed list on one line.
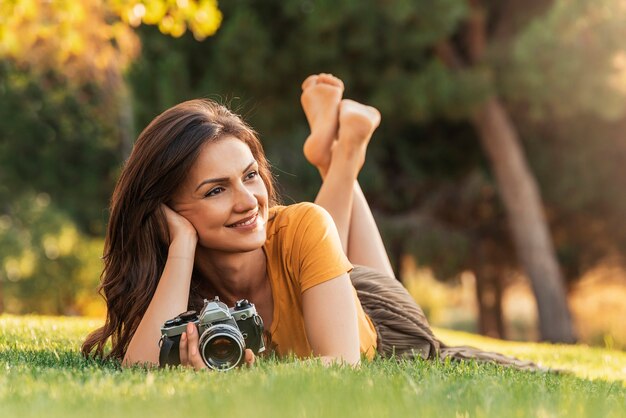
[(248, 222)]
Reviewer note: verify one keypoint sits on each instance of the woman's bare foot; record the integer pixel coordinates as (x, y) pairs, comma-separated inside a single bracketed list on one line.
[(321, 95), (357, 123)]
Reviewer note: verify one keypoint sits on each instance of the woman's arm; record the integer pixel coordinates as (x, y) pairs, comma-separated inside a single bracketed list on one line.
[(330, 321), (172, 293)]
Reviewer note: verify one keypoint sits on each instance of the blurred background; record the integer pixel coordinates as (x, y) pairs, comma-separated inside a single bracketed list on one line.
[(497, 175)]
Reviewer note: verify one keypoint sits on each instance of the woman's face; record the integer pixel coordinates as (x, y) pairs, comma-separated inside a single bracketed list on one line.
[(225, 198)]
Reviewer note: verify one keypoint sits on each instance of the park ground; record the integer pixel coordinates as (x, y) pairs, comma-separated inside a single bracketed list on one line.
[(42, 373)]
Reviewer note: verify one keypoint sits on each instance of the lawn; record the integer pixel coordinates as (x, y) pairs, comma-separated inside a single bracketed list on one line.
[(43, 374)]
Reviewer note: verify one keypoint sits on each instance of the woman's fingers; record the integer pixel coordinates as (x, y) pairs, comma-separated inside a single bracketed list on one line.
[(193, 355), (249, 357), (182, 349), (178, 225), (188, 348)]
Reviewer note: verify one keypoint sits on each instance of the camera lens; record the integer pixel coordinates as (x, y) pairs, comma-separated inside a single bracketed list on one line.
[(222, 347), (223, 350)]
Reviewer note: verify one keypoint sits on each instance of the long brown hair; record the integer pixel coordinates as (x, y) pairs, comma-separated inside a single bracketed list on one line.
[(135, 247)]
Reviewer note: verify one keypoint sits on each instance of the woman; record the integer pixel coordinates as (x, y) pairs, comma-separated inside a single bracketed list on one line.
[(194, 216)]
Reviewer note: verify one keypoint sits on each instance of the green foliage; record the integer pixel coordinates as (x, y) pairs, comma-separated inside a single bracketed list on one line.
[(264, 50), (44, 374), (47, 264), (570, 61), (59, 158), (58, 140)]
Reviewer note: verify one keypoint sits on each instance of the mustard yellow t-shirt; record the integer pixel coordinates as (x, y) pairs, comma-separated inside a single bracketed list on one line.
[(303, 250)]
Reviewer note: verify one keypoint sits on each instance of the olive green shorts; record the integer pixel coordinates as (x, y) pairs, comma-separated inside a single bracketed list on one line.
[(402, 328), (400, 323)]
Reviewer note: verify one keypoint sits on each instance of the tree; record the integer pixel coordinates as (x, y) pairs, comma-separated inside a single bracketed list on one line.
[(67, 123), (536, 71), (92, 41)]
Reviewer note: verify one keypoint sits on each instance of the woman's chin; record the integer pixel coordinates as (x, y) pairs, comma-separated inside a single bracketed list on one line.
[(235, 246)]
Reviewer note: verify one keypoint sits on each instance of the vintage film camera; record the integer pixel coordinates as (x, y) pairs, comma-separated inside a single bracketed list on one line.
[(224, 334)]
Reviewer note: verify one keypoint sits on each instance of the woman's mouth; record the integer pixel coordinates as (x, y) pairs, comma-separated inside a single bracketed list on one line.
[(245, 222)]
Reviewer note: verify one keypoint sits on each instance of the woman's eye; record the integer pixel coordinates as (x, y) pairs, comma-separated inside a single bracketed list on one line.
[(214, 191), (252, 175)]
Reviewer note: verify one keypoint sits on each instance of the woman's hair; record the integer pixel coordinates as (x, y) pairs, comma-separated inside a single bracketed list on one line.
[(136, 243)]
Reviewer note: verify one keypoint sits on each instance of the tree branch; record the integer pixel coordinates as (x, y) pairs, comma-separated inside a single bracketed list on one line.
[(475, 34)]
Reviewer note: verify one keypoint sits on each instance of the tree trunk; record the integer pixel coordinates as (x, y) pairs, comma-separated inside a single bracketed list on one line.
[(397, 252), (489, 298), (489, 287), (530, 234)]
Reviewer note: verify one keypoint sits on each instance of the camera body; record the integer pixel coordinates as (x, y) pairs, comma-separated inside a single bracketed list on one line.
[(224, 334)]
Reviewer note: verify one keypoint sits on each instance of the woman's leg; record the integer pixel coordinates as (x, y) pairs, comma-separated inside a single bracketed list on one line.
[(339, 162), (365, 243)]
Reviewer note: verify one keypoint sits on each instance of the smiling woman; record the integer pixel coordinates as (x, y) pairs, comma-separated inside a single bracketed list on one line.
[(194, 216), (149, 248)]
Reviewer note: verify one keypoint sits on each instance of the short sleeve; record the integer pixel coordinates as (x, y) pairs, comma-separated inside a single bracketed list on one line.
[(317, 253)]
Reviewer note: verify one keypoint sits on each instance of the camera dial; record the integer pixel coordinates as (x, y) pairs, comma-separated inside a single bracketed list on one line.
[(242, 304), (188, 316), (182, 318)]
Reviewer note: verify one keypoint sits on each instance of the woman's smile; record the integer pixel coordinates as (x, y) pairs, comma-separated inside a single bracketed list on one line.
[(249, 223)]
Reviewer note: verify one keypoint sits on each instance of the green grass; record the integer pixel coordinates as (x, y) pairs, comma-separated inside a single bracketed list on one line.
[(42, 374)]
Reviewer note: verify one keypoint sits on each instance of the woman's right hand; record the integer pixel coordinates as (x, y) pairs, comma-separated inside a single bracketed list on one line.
[(178, 226)]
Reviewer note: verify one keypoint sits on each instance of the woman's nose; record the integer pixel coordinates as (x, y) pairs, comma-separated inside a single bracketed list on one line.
[(244, 199)]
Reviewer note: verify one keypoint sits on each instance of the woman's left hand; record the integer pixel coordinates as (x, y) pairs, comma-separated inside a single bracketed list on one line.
[(189, 354)]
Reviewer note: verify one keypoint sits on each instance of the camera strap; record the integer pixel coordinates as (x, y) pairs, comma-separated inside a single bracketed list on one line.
[(166, 346)]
